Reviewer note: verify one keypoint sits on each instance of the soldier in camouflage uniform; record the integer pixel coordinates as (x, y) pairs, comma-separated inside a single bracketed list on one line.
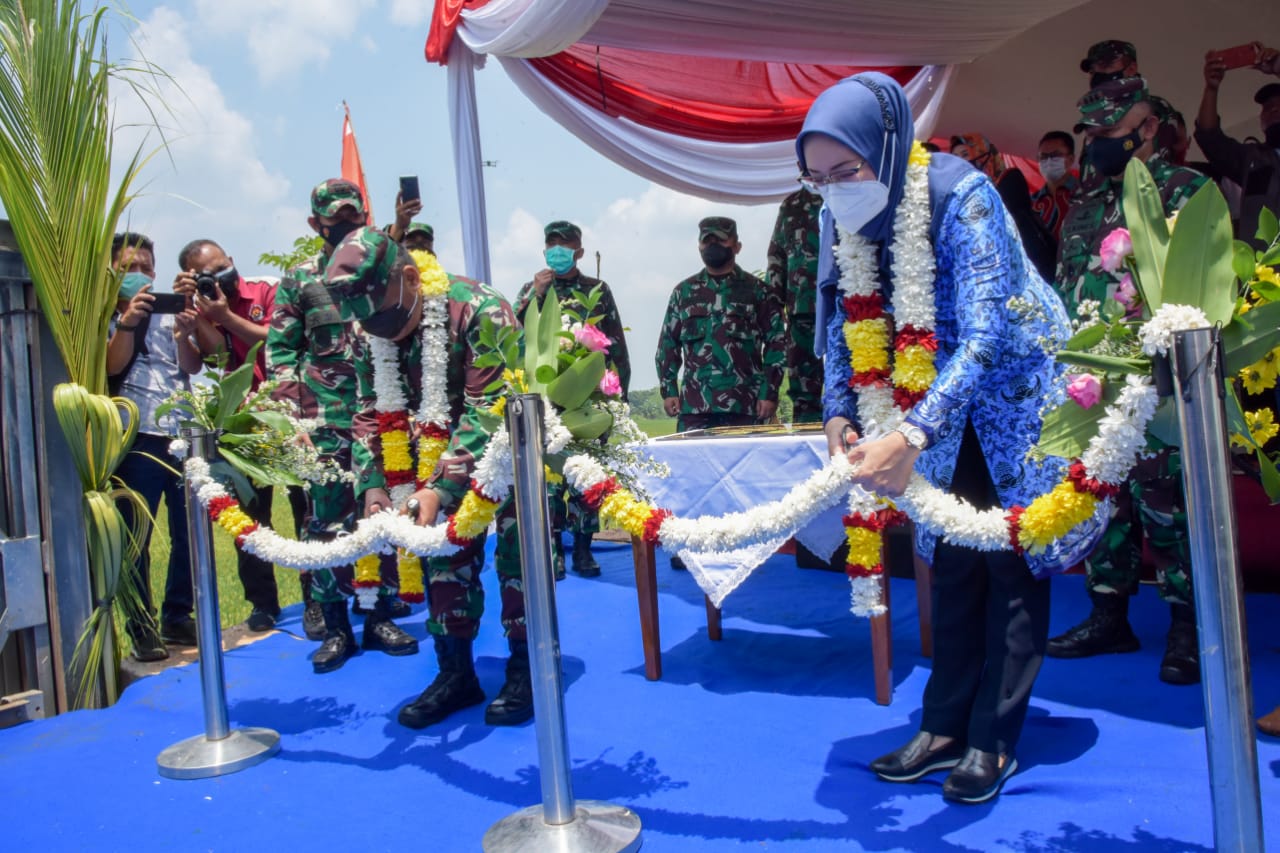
[(374, 281), (793, 268), (1111, 60), (1120, 123), (310, 351), (563, 251), (725, 327)]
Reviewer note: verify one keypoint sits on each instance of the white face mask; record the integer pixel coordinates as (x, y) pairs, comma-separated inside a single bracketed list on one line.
[(1053, 168), (854, 203)]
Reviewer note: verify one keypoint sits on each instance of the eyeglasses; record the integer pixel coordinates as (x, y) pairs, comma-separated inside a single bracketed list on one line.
[(815, 184)]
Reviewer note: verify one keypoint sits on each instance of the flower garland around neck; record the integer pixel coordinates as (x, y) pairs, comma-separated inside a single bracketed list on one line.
[(892, 349), (431, 423)]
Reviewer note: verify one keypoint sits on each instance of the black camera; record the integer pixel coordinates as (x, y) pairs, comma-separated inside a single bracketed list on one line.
[(207, 285)]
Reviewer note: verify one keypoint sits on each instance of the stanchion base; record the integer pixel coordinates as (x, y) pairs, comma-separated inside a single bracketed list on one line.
[(597, 827), (199, 758)]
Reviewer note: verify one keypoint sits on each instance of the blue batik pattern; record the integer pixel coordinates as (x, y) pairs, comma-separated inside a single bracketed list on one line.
[(995, 364)]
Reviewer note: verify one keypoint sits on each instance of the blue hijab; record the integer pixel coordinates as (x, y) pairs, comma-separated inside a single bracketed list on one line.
[(870, 114)]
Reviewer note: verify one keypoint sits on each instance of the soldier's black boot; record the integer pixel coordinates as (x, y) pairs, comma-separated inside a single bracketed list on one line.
[(1104, 631), (383, 635), (312, 613), (1181, 662), (339, 642), (583, 563), (514, 703), (454, 688)]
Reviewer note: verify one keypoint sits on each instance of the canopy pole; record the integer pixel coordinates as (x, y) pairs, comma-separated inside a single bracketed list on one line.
[(467, 162)]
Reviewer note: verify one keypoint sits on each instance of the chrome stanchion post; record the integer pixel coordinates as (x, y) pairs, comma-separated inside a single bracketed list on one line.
[(1224, 658), (560, 823), (221, 749)]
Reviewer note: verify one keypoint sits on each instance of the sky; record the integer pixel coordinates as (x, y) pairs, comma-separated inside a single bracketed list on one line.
[(250, 111)]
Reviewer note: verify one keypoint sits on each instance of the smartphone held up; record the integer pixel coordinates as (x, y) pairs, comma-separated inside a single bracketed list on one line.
[(409, 188), (1240, 56)]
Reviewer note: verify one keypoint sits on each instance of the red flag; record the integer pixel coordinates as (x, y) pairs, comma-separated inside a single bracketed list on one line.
[(351, 168)]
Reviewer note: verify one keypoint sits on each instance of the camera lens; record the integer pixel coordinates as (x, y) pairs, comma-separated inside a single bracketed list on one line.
[(206, 286)]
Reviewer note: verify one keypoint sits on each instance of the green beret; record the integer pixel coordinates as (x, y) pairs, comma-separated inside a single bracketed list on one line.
[(360, 272), (563, 229), (420, 228), (334, 194), (1106, 51), (1105, 105), (717, 226)]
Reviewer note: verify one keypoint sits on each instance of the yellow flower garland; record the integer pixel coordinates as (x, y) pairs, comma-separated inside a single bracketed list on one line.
[(868, 342), (1052, 515), (473, 516), (234, 521), (864, 546), (623, 511)]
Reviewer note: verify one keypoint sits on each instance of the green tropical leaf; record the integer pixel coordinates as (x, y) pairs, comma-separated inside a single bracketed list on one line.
[(1086, 338), (576, 384), (586, 424), (1067, 430), (1197, 268), (1268, 227), (1251, 336), (1105, 363), (1242, 260), (1145, 219), (235, 388)]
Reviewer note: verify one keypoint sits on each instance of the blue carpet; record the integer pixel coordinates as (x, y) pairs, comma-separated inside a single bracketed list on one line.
[(759, 742)]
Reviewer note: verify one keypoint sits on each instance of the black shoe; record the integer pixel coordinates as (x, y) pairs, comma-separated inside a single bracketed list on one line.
[(557, 566), (313, 621), (583, 563), (678, 564), (514, 702), (181, 633), (455, 688), (399, 609), (339, 644), (147, 645), (1181, 662), (1104, 631), (978, 777), (383, 635), (260, 621), (918, 759)]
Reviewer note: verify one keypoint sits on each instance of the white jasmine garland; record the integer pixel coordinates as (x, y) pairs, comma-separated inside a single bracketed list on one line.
[(1122, 432), (1156, 335)]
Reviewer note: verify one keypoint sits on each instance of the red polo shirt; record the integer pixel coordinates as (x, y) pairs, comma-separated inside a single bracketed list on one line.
[(256, 300)]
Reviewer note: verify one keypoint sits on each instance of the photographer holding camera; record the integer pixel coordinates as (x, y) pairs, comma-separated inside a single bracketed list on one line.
[(234, 316), (1255, 166)]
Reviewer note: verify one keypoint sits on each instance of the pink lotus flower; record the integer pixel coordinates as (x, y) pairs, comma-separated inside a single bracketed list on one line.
[(1127, 296), (1116, 246), (610, 385), (592, 338), (1085, 389)]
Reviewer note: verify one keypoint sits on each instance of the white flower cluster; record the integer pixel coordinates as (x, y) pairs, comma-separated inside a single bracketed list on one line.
[(382, 533), (493, 473), (953, 519), (1122, 432), (434, 408), (1156, 334), (913, 262), (556, 435), (865, 598), (822, 490)]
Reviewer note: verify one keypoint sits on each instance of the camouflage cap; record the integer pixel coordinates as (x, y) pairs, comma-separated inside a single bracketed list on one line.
[(1106, 51), (717, 226), (420, 228), (334, 194), (1266, 93), (564, 229), (1108, 103), (360, 272)]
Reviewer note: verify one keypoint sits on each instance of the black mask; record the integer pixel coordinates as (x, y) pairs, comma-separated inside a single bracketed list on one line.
[(1272, 135), (1097, 78), (229, 281), (336, 233), (716, 255), (388, 322), (1110, 156)]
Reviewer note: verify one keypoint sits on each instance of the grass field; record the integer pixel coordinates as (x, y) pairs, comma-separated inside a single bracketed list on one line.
[(231, 602)]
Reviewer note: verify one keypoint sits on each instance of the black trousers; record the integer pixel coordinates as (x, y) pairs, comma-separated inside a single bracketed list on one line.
[(990, 623), (257, 576)]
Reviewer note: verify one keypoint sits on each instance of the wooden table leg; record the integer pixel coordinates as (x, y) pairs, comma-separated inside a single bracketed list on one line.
[(647, 597), (882, 645), (713, 620), (924, 603)]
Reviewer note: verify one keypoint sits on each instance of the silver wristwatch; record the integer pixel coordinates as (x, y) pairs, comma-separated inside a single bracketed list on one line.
[(913, 434)]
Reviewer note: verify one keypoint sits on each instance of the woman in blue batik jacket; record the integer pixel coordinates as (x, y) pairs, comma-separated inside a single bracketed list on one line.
[(969, 433)]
